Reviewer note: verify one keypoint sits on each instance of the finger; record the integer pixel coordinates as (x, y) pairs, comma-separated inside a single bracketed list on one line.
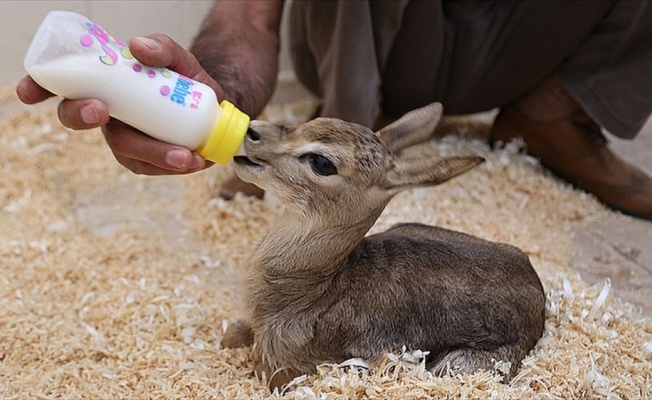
[(128, 144), (159, 50), (143, 168), (30, 92), (83, 114)]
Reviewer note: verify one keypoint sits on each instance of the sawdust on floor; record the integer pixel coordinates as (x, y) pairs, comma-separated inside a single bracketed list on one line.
[(120, 286)]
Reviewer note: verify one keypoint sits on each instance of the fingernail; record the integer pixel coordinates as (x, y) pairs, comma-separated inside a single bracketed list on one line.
[(150, 43), (89, 115), (20, 85), (19, 88), (177, 159)]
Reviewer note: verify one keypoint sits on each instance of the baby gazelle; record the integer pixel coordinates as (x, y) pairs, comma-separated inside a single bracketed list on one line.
[(320, 291)]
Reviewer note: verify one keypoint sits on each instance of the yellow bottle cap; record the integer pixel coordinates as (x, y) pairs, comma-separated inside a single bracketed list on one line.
[(227, 136)]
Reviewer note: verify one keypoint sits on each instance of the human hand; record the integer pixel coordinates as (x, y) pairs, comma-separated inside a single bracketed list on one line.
[(131, 148)]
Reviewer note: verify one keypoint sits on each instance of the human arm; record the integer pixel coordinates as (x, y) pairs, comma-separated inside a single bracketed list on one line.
[(238, 45), (137, 151)]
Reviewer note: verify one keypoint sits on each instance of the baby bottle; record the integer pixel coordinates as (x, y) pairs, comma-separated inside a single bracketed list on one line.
[(75, 58)]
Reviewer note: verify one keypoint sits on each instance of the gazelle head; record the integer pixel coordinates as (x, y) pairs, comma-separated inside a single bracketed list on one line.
[(342, 172)]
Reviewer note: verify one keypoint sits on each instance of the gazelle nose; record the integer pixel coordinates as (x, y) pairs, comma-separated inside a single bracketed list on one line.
[(253, 135)]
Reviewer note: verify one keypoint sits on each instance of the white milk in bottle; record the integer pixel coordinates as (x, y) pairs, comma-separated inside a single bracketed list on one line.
[(75, 58)]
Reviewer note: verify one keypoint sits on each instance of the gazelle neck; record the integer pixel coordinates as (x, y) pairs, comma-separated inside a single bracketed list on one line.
[(296, 246)]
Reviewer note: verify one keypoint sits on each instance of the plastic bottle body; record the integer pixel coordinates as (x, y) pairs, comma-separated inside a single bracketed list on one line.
[(145, 104), (76, 59)]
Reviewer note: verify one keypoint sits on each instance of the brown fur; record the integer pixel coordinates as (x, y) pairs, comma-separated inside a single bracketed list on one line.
[(320, 291)]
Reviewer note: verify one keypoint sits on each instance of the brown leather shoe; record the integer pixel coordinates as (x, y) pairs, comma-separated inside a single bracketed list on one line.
[(575, 149)]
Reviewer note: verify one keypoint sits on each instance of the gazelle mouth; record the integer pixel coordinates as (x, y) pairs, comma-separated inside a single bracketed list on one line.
[(246, 161)]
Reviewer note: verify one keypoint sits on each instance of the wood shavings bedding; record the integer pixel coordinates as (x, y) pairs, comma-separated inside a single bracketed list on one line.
[(120, 286)]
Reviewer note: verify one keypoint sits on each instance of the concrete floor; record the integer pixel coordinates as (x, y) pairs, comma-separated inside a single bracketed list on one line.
[(620, 247)]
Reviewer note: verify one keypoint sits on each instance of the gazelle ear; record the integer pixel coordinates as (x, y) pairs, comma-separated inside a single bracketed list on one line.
[(422, 172), (414, 127)]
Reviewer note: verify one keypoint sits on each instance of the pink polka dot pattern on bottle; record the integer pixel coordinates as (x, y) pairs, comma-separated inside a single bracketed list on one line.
[(86, 40), (164, 90)]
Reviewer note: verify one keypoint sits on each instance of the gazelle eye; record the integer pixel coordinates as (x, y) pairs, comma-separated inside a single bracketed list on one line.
[(322, 165)]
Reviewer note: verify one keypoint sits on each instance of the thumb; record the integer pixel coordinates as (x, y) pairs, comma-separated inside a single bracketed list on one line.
[(159, 50)]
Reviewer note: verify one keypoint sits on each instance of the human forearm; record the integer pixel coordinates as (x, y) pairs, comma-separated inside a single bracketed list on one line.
[(238, 46)]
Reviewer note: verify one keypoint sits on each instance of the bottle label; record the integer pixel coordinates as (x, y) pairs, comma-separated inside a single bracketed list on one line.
[(178, 88)]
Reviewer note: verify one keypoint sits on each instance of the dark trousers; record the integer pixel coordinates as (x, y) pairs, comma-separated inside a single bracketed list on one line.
[(362, 57)]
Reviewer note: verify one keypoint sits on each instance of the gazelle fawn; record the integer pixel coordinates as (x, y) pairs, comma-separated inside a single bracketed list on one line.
[(320, 291)]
